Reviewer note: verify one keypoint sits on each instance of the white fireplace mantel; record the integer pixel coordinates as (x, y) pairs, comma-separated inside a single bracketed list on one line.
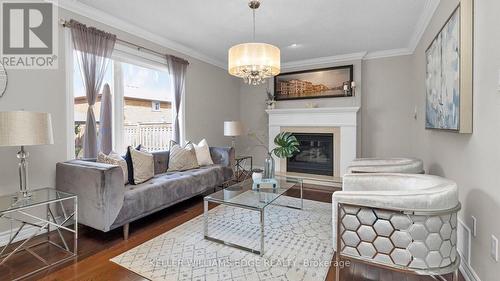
[(344, 118)]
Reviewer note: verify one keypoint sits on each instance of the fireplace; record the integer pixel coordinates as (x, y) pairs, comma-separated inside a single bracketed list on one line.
[(316, 154)]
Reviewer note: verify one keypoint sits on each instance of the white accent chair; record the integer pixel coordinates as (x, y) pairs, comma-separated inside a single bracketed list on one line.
[(406, 222), (386, 165)]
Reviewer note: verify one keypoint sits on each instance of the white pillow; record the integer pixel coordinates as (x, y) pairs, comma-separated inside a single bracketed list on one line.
[(114, 159), (143, 165), (203, 153)]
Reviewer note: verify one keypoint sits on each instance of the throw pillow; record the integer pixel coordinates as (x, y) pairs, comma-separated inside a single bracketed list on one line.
[(202, 151), (182, 158), (130, 168), (114, 159), (143, 165)]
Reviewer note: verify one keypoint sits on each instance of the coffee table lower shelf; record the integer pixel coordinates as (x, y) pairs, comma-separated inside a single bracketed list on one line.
[(261, 211)]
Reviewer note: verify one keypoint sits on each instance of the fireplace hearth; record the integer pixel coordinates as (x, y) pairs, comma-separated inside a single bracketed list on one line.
[(316, 154)]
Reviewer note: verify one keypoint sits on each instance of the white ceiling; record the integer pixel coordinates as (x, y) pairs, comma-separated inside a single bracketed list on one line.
[(320, 28)]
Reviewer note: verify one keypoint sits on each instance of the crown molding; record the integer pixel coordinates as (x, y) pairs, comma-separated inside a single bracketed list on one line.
[(107, 19), (388, 53), (323, 60), (422, 23)]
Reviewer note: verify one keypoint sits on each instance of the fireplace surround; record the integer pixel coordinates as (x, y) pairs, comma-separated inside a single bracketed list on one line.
[(341, 122)]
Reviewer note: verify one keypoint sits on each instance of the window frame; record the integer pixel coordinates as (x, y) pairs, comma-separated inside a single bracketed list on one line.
[(121, 53)]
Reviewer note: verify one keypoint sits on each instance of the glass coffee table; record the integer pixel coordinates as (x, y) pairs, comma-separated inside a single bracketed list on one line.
[(250, 196)]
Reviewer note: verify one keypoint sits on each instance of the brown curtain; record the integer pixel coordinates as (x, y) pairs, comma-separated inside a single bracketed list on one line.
[(177, 69), (94, 52)]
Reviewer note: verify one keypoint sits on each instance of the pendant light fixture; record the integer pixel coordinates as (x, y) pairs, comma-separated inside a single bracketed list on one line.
[(254, 62)]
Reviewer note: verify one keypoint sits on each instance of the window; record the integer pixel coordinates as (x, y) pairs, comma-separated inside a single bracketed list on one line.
[(156, 106), (142, 105)]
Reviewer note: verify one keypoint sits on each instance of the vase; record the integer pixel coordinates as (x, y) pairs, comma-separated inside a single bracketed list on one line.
[(268, 167)]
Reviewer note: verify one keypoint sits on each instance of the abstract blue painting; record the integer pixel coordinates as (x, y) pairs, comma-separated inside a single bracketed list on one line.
[(443, 78)]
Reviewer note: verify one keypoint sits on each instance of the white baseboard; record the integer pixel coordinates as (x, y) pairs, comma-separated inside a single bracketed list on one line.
[(468, 272), (464, 243), (25, 233)]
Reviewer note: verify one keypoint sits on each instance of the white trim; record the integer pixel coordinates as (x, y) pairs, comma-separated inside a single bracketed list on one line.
[(465, 266), (105, 18), (118, 108), (25, 233), (468, 273), (70, 100), (388, 53), (127, 54), (353, 109), (422, 23), (323, 60)]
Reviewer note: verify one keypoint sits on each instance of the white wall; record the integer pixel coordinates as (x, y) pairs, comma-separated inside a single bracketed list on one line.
[(212, 96), (471, 160)]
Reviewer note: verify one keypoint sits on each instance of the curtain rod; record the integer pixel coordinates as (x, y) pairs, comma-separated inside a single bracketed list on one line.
[(67, 24)]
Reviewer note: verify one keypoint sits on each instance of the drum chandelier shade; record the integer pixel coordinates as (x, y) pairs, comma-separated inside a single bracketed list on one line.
[(254, 62)]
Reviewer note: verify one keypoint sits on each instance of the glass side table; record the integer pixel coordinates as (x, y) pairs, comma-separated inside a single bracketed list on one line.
[(46, 210), (241, 170)]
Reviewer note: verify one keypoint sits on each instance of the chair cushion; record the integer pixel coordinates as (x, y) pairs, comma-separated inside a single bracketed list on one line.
[(386, 165), (399, 191)]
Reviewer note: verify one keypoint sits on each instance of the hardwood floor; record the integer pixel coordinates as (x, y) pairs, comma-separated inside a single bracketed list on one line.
[(96, 248)]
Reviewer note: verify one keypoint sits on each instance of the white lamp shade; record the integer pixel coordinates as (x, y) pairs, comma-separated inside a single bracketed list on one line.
[(23, 128), (256, 56), (233, 128)]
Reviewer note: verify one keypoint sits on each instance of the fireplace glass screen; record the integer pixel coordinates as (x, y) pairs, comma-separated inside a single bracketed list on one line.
[(315, 156)]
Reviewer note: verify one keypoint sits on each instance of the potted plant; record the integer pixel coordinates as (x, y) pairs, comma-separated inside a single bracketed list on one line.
[(286, 146)]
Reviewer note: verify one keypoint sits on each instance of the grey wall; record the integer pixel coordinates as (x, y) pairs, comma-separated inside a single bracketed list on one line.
[(471, 160), (212, 96), (255, 119), (387, 111)]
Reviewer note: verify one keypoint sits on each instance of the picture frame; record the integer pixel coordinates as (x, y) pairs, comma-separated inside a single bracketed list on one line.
[(449, 73), (328, 82)]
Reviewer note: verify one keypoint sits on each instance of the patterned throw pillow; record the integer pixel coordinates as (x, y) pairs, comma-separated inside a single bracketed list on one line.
[(182, 158), (203, 153), (130, 168), (143, 165), (114, 159)]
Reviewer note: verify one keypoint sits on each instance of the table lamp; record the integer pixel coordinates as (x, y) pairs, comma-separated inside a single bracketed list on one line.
[(24, 128), (233, 129)]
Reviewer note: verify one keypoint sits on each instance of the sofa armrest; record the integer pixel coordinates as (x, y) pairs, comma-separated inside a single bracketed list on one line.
[(99, 187), (224, 156)]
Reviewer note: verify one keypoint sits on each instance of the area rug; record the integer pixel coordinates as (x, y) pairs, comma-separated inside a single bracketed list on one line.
[(298, 246)]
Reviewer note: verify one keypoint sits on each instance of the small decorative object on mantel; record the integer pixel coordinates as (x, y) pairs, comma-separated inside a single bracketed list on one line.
[(449, 73), (270, 102), (286, 146), (316, 83)]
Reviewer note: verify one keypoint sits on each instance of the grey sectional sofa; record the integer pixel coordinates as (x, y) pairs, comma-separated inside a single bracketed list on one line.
[(105, 202)]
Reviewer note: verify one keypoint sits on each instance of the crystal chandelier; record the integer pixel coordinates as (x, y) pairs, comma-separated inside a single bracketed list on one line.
[(254, 62)]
